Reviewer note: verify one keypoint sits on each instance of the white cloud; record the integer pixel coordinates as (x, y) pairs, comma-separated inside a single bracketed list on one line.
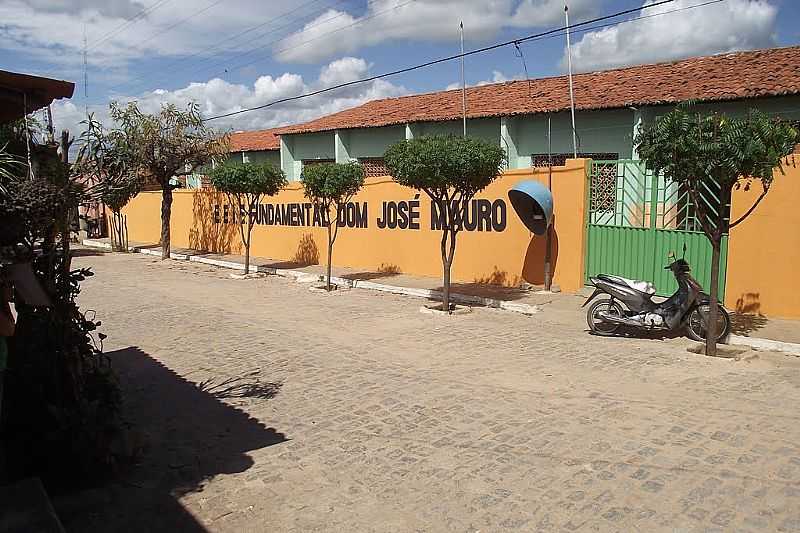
[(716, 28), (119, 31), (336, 32), (343, 70), (497, 77), (551, 12), (217, 97)]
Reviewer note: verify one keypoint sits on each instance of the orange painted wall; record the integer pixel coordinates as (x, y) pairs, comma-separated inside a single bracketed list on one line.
[(764, 250), (498, 257)]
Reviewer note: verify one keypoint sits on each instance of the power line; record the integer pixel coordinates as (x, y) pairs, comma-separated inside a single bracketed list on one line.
[(298, 45), (230, 38), (125, 25), (318, 23), (181, 21), (531, 37)]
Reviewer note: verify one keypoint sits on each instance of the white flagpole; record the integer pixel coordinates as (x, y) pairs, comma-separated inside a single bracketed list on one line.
[(571, 93), (463, 81)]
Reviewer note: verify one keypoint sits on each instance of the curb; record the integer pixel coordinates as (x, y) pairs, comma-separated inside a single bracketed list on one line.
[(757, 343), (430, 294)]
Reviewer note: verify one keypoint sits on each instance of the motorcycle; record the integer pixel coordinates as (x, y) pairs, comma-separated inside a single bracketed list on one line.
[(631, 305)]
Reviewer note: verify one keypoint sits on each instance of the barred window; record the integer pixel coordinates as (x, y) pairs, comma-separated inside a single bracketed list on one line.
[(543, 160), (374, 167)]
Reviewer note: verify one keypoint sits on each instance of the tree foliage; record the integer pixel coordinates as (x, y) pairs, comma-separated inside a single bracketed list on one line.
[(709, 151), (330, 186), (445, 167), (161, 146), (62, 401), (251, 179), (691, 148), (171, 143), (245, 184), (451, 171), (332, 183), (105, 166)]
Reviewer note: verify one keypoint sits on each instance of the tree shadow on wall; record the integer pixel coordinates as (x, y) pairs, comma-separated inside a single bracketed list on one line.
[(383, 271), (307, 254), (533, 267), (205, 235), (747, 316), (501, 285), (189, 436)]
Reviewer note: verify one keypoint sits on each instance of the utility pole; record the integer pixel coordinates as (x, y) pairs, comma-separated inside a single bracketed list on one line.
[(463, 81), (571, 92), (548, 255), (85, 74)]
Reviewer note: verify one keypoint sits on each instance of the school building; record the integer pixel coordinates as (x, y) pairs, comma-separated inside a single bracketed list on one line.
[(611, 215)]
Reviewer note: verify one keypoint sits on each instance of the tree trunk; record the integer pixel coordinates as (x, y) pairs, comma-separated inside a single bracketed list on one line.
[(445, 285), (247, 251), (166, 211), (330, 253), (711, 327)]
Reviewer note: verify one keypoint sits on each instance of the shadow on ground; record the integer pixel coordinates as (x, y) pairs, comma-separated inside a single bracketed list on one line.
[(487, 290), (87, 252), (186, 435), (744, 323)]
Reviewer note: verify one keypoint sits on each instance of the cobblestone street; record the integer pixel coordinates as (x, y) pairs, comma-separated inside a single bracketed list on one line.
[(266, 407)]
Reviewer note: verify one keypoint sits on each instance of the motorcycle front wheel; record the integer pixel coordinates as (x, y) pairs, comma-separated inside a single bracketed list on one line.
[(697, 324), (597, 325)]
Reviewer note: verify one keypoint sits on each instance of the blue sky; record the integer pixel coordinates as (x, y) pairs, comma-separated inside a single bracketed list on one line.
[(229, 54)]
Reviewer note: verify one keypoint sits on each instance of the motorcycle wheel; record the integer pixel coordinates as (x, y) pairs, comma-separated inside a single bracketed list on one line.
[(597, 325), (696, 324)]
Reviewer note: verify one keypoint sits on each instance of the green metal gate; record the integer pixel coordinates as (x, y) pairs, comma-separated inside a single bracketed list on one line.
[(636, 219)]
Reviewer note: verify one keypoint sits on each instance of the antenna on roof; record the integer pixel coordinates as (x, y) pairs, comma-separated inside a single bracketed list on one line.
[(571, 92), (463, 81)]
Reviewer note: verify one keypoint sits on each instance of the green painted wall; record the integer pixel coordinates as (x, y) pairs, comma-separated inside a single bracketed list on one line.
[(598, 131), (606, 131), (272, 157), (313, 146), (787, 107), (371, 142), (487, 129)]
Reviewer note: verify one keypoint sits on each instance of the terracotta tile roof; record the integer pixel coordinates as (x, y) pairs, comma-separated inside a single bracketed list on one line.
[(252, 141), (733, 76)]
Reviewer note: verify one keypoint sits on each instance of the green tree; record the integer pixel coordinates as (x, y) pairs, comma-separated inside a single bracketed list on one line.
[(451, 171), (330, 186), (165, 145), (696, 150), (105, 168), (245, 185)]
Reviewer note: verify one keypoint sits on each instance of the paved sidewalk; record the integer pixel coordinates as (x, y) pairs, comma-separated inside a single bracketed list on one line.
[(564, 305), (266, 407)]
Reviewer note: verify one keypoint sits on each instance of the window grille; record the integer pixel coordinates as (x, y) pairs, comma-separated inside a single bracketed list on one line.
[(559, 160), (374, 167)]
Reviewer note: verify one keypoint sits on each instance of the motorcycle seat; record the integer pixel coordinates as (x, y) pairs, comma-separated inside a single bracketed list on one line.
[(635, 284)]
